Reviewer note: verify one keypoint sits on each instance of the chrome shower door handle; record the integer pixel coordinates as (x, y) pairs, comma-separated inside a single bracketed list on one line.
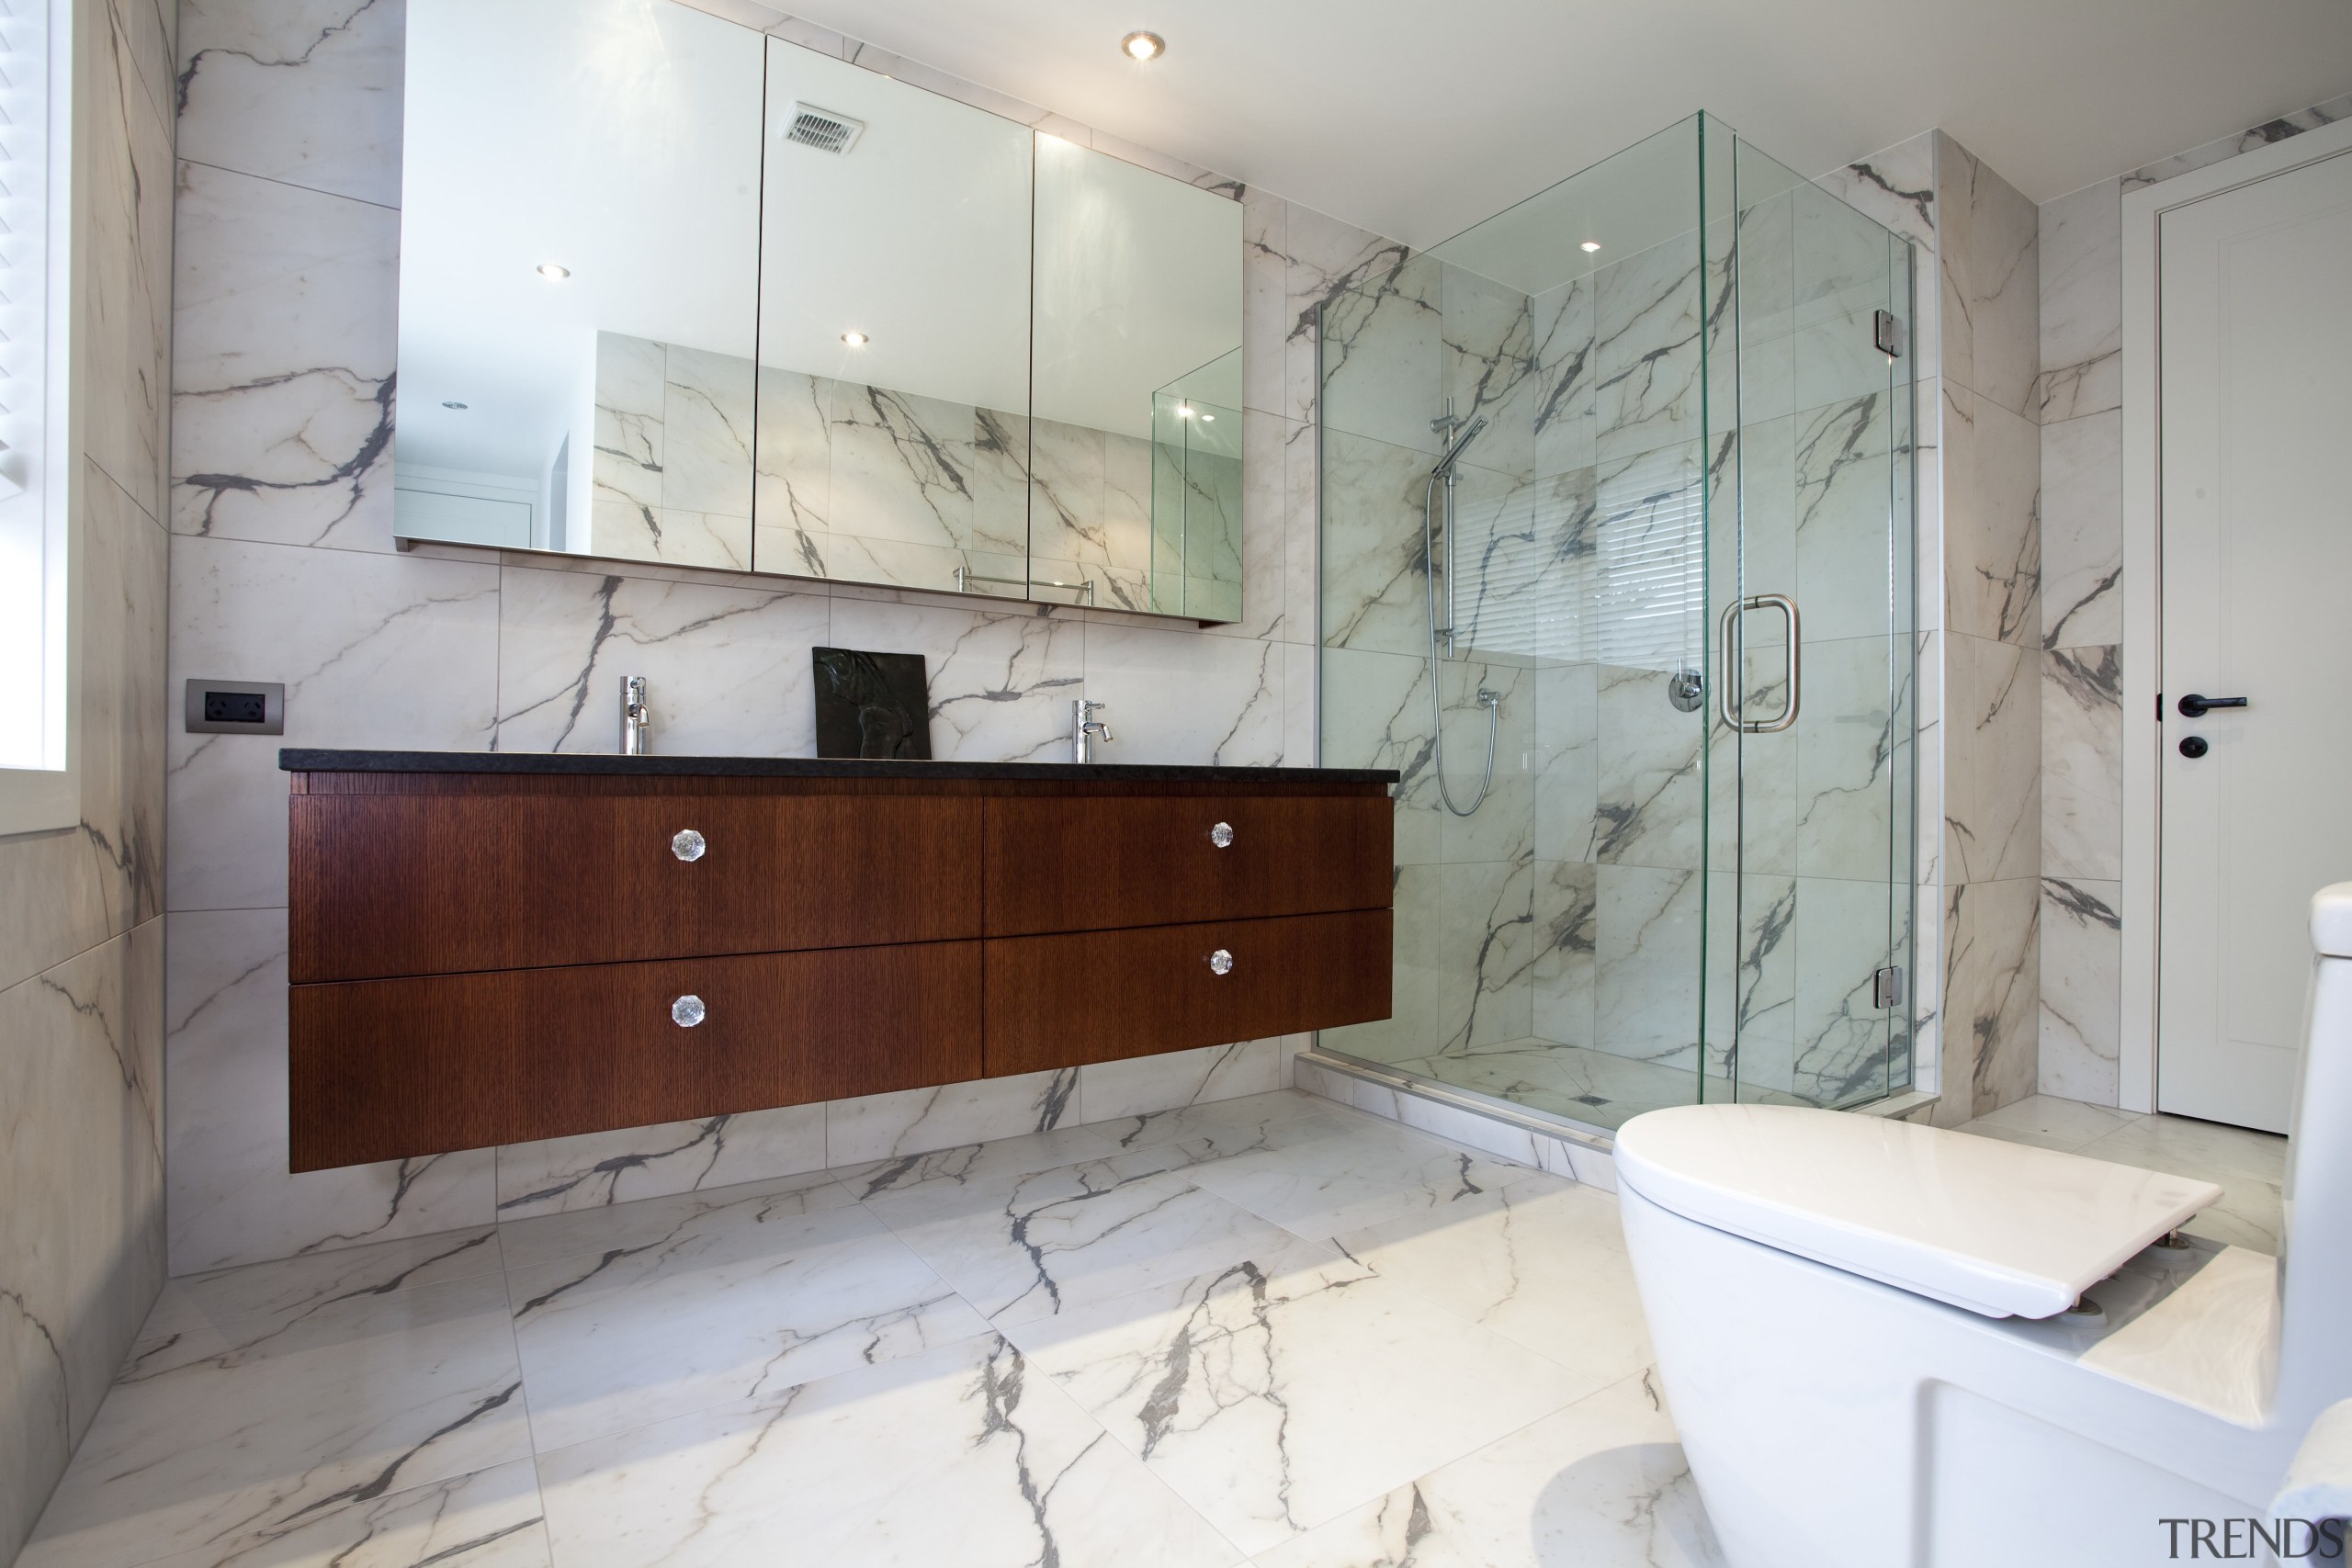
[(1732, 677)]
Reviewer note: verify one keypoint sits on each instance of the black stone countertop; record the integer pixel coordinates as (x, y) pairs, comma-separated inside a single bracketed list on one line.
[(304, 760)]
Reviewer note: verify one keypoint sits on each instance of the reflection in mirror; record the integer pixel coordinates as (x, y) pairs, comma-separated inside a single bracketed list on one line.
[(894, 334), (579, 245), (1135, 474)]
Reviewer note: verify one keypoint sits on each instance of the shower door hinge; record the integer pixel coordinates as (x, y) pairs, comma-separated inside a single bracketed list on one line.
[(1886, 330), (1886, 987)]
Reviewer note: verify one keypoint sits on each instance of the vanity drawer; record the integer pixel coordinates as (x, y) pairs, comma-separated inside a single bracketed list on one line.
[(1099, 863), (393, 884), (388, 1069), (1058, 1001)]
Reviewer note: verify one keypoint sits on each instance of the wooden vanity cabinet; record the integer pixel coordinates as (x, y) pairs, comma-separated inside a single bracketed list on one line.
[(482, 956)]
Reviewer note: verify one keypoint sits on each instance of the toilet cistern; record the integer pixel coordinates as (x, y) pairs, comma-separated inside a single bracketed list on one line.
[(1085, 728)]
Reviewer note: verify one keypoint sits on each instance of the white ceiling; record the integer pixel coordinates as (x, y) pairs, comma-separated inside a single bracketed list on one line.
[(1416, 120)]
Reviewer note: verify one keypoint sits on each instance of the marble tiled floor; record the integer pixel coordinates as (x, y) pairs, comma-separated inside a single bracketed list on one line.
[(1271, 1329), (2251, 1166)]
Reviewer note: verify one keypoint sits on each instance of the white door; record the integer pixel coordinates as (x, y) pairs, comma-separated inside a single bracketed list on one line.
[(2255, 290)]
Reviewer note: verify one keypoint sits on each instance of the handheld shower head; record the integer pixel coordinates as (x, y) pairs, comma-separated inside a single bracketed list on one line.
[(1453, 448)]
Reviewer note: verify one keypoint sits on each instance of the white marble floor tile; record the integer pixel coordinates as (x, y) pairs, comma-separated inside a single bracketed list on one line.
[(488, 1520), (1037, 1246), (963, 1455), (262, 1399), (2250, 1167), (1274, 1400), (2051, 1123), (977, 1163), (1540, 1262), (622, 1227), (1600, 1485), (1335, 1185), (738, 1300), (1196, 1134)]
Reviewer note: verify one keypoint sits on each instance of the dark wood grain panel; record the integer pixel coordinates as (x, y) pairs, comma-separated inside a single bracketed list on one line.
[(384, 886), (1093, 864), (388, 1069), (1058, 1001)]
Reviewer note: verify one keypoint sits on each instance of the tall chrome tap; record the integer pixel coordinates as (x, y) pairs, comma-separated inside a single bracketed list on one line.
[(1085, 728), (637, 719)]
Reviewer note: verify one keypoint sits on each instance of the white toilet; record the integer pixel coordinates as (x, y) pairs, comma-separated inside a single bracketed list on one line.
[(1865, 1334)]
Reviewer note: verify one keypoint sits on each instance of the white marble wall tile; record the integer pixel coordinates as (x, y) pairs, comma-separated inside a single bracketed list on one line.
[(307, 93), (283, 347), (1989, 245), (1142, 1086), (1563, 328), (1000, 685), (81, 1091), (1646, 992), (124, 163), (1896, 187), (1383, 299), (2082, 990), (1484, 953), (373, 650), (2082, 763), (1502, 827), (1646, 350), (1842, 937), (2082, 303), (1176, 697), (1377, 540), (1567, 916), (1265, 502), (2082, 531), (1992, 991), (2245, 141), (1567, 760), (1377, 715), (1649, 803), (560, 1175), (1303, 613), (728, 669), (1846, 796), (1993, 766), (1266, 314), (1487, 367), (922, 1120), (233, 1199), (1992, 535), (63, 893)]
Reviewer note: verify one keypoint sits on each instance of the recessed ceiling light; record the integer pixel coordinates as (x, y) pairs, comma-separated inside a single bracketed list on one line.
[(1143, 46), (855, 340), (1591, 246), (550, 270), (1208, 419), (453, 403), (1184, 411)]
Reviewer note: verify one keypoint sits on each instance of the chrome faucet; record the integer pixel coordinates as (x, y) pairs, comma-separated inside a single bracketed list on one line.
[(1084, 728), (636, 717)]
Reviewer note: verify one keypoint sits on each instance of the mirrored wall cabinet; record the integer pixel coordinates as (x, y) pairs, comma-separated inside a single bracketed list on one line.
[(674, 290)]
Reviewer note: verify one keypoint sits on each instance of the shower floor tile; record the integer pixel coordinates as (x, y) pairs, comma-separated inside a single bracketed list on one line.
[(1269, 1329)]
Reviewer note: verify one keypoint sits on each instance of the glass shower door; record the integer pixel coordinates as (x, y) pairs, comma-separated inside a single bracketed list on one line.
[(1811, 743)]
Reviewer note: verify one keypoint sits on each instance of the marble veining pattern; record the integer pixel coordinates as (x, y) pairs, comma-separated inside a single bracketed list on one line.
[(714, 1376)]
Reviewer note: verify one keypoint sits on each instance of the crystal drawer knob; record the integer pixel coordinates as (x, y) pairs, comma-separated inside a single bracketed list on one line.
[(1222, 835), (688, 844), (1220, 962), (687, 1011)]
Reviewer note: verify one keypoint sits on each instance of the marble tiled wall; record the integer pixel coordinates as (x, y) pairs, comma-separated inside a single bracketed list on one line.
[(671, 459), (81, 927), (283, 567), (1973, 339), (2079, 395)]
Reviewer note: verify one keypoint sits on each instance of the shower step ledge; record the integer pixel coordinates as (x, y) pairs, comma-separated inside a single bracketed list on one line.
[(1580, 1153), (1585, 1155)]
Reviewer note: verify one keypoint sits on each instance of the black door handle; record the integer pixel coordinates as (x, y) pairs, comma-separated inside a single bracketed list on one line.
[(2195, 707), (2194, 746)]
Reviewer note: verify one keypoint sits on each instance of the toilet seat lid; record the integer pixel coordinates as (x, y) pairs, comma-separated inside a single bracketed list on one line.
[(1999, 1229)]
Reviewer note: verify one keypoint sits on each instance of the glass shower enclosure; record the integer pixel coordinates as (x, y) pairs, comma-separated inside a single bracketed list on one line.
[(1617, 571)]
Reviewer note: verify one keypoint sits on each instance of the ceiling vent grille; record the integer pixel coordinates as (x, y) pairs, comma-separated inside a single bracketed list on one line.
[(823, 129)]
